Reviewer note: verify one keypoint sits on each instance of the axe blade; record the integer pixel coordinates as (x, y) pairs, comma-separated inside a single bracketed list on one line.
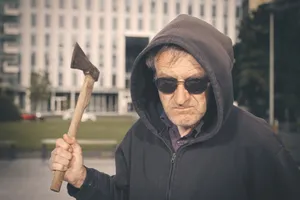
[(80, 61)]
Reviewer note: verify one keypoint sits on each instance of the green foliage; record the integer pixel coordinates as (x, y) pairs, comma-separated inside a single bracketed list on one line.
[(8, 110), (40, 88), (251, 70)]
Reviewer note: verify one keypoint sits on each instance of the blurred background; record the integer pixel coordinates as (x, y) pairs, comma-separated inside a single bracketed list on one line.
[(39, 90)]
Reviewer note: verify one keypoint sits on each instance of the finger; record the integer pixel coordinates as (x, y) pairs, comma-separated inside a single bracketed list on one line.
[(61, 160), (58, 167), (69, 139), (61, 143), (64, 153)]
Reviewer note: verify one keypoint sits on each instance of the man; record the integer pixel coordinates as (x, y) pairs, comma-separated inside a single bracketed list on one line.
[(190, 142)]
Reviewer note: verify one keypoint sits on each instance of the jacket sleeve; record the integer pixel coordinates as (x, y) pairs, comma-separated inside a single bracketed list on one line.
[(100, 186)]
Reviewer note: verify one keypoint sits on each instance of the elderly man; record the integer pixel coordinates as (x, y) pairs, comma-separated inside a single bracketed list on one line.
[(190, 142)]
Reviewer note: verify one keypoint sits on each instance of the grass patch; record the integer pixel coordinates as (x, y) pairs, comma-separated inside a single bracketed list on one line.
[(28, 135)]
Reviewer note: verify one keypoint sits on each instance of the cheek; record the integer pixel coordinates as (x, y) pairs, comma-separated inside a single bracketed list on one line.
[(165, 99), (201, 101)]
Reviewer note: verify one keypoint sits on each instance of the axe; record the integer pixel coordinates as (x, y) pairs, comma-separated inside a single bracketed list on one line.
[(79, 61)]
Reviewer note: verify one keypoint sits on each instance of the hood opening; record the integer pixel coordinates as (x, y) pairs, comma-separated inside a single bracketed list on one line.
[(211, 49)]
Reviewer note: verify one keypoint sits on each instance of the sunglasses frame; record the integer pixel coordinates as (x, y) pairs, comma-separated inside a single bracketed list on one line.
[(156, 79)]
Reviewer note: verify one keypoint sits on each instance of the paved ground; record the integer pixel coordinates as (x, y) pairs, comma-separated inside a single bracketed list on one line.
[(29, 179)]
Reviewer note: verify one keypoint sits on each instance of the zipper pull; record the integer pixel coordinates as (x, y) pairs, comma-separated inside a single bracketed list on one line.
[(173, 158)]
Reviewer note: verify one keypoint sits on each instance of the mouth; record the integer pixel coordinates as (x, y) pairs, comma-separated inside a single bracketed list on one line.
[(182, 108)]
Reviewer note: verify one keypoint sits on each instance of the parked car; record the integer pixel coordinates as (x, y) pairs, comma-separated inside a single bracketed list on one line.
[(85, 117), (32, 116)]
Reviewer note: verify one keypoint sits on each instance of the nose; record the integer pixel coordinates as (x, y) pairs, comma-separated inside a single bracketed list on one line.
[(181, 95)]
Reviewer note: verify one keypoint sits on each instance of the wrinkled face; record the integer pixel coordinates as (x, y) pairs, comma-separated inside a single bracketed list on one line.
[(182, 108)]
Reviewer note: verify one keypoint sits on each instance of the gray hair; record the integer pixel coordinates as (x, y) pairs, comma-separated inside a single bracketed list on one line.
[(153, 55)]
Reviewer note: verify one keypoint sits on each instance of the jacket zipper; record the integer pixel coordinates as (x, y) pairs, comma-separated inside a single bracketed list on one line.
[(171, 175)]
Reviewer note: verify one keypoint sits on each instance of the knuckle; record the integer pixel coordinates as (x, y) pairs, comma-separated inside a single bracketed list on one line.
[(58, 141)]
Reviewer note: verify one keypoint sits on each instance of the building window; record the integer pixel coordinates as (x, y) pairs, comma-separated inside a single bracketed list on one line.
[(101, 39), (88, 4), (101, 5), (202, 11), (165, 7), (114, 42), (214, 10), (101, 23), (115, 23), (127, 83), (128, 5), (61, 21), (47, 20), (190, 7), (33, 3), (47, 3), (47, 40), (75, 4), (225, 8), (140, 6), (101, 60), (88, 41), (61, 4), (61, 40), (140, 24), (177, 8), (61, 59), (88, 22), (60, 79), (75, 22), (32, 60), (114, 5), (153, 6), (33, 40), (114, 60), (46, 60), (33, 20), (74, 40), (225, 29), (127, 23), (74, 79), (114, 80)]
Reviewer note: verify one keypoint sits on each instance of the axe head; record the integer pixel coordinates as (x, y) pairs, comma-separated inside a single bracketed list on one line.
[(81, 61)]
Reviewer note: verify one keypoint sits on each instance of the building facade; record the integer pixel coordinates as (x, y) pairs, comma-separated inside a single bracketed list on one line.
[(109, 33)]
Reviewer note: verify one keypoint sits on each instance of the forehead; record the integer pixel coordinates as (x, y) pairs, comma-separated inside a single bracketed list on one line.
[(178, 65)]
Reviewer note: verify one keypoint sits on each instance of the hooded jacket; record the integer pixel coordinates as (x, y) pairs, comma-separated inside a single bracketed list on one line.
[(235, 156)]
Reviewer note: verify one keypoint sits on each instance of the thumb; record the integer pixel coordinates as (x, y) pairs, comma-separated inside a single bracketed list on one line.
[(68, 139), (76, 148)]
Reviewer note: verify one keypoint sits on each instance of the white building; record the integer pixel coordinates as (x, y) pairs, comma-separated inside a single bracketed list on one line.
[(104, 29)]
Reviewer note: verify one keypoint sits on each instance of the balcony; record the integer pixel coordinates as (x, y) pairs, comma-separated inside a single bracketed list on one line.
[(11, 68), (11, 9), (11, 47), (11, 28)]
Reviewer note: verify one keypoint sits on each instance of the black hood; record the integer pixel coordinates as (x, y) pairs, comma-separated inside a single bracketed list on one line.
[(212, 49)]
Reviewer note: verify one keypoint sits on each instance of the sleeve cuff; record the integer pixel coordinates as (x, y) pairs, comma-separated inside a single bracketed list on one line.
[(86, 190)]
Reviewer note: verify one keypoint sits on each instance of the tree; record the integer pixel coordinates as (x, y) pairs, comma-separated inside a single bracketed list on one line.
[(251, 70), (40, 89)]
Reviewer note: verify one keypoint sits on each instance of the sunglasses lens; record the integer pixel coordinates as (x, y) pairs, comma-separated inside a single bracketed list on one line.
[(196, 85), (166, 85)]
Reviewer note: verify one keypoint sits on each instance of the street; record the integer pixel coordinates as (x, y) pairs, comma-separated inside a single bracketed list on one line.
[(30, 179)]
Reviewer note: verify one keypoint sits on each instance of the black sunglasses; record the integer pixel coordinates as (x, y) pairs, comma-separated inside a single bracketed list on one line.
[(192, 85)]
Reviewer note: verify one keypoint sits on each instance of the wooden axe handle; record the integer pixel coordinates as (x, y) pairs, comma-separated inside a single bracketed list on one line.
[(82, 102)]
